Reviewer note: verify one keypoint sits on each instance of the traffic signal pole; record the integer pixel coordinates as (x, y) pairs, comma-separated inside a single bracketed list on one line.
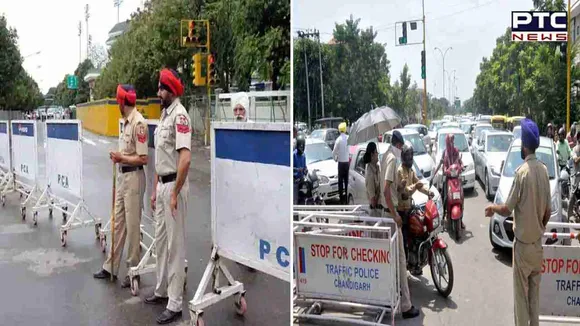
[(568, 45), (424, 79), (207, 116)]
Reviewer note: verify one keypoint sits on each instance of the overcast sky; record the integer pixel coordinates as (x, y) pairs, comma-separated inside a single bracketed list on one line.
[(51, 26), (469, 26)]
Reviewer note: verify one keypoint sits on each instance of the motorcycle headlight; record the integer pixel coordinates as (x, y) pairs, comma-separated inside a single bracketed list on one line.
[(323, 179), (555, 205)]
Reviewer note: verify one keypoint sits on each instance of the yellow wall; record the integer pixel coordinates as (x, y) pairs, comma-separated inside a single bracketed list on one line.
[(102, 117)]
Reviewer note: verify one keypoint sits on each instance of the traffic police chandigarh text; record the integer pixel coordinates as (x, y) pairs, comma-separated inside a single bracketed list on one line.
[(562, 267), (351, 277)]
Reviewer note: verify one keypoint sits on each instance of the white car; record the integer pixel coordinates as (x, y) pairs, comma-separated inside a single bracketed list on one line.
[(460, 142), (435, 125), (500, 227), (489, 154), (423, 133), (517, 132), (476, 132), (319, 157), (357, 193), (421, 156)]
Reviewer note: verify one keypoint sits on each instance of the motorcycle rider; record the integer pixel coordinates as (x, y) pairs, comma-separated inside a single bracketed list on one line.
[(389, 202), (407, 184), (550, 131), (576, 156), (450, 156), (572, 135), (563, 150), (299, 160), (530, 201)]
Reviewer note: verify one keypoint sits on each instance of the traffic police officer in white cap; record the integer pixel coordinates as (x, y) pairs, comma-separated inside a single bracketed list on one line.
[(169, 199), (530, 201)]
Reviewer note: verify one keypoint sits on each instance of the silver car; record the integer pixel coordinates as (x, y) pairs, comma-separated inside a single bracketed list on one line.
[(421, 156), (423, 133), (500, 227), (357, 193), (476, 132), (319, 157), (491, 151)]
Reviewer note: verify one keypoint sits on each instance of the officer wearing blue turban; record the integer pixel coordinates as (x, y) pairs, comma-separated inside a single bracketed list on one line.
[(530, 201)]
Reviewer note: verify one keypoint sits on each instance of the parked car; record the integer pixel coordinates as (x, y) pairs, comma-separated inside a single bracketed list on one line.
[(460, 142), (476, 132), (484, 119), (501, 233), (423, 133), (357, 194), (435, 125), (319, 157), (328, 135), (489, 154), (420, 154)]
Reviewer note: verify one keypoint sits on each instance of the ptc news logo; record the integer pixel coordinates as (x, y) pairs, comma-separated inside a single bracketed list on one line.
[(539, 26)]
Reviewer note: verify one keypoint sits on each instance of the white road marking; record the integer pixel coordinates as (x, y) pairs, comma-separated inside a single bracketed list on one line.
[(88, 141), (104, 141)]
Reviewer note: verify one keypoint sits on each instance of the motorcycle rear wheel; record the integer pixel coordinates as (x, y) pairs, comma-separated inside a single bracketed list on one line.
[(457, 228), (436, 273)]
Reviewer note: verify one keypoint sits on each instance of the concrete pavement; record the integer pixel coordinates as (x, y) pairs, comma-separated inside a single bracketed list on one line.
[(45, 284)]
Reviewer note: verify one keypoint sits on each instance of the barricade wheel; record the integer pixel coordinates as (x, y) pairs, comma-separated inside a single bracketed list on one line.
[(23, 213), (50, 213), (3, 200), (317, 308), (63, 239), (98, 230), (104, 243), (199, 322), (241, 306), (135, 286), (35, 218)]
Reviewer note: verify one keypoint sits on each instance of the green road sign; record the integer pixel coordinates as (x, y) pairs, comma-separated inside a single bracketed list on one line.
[(72, 82)]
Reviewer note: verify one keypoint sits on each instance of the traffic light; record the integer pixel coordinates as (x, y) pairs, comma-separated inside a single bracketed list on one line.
[(198, 80), (211, 73), (423, 66), (403, 39), (192, 38)]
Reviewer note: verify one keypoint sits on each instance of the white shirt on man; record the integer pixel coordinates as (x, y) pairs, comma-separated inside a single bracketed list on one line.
[(340, 151)]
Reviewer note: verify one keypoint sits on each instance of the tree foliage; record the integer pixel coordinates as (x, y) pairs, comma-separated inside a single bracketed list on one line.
[(248, 37), (18, 91), (66, 97), (521, 78)]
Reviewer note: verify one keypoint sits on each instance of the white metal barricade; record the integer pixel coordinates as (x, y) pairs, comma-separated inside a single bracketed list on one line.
[(249, 217), (560, 284), (349, 265), (6, 176), (64, 187)]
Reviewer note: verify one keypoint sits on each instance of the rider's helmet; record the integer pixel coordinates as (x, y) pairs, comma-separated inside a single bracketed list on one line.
[(562, 133), (407, 154), (300, 143)]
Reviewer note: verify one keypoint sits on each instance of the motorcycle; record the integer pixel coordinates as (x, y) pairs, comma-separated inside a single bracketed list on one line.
[(574, 203), (426, 247), (565, 178), (454, 198), (308, 190)]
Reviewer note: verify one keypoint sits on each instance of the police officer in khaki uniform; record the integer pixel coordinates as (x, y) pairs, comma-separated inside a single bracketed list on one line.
[(529, 200), (169, 198), (389, 201), (130, 188)]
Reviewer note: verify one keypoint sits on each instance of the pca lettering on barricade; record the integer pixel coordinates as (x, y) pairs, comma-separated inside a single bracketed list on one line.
[(539, 26), (282, 253)]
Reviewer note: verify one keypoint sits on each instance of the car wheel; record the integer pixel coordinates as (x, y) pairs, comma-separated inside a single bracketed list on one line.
[(487, 192)]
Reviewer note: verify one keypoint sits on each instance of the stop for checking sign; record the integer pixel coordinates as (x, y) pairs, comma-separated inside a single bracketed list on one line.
[(560, 266)]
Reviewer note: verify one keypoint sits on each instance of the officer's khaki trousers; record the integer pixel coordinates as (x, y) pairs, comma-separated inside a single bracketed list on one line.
[(527, 266), (405, 293), (170, 244), (129, 193)]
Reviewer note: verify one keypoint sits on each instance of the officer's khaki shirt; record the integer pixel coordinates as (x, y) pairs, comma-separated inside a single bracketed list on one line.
[(373, 182), (389, 173), (172, 134), (133, 140), (405, 196), (529, 198)]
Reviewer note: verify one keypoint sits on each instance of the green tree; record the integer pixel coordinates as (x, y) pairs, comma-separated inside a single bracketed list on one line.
[(10, 61)]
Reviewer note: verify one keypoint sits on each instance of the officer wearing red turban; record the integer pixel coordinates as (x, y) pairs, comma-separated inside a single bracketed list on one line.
[(130, 187), (170, 193)]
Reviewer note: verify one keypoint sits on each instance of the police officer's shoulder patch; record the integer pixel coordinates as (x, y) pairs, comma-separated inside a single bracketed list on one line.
[(141, 133), (182, 123)]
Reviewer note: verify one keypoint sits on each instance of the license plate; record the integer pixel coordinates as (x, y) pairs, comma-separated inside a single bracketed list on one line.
[(456, 196)]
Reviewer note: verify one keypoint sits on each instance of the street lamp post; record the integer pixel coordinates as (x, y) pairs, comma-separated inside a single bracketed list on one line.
[(32, 54), (443, 55)]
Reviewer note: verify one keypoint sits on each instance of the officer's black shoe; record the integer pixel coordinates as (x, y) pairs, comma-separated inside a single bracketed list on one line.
[(416, 272), (411, 313), (102, 274), (155, 300), (168, 316)]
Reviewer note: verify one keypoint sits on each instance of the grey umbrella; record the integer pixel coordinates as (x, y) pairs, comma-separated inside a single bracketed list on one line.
[(372, 124)]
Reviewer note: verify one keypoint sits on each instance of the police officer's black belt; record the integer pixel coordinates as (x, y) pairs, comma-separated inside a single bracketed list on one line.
[(167, 178), (126, 169)]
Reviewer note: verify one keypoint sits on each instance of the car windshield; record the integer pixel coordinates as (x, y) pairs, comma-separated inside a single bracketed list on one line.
[(517, 132), (317, 134), (417, 142), (499, 143), (478, 130), (514, 160), (317, 152), (466, 127), (459, 141), (435, 126)]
